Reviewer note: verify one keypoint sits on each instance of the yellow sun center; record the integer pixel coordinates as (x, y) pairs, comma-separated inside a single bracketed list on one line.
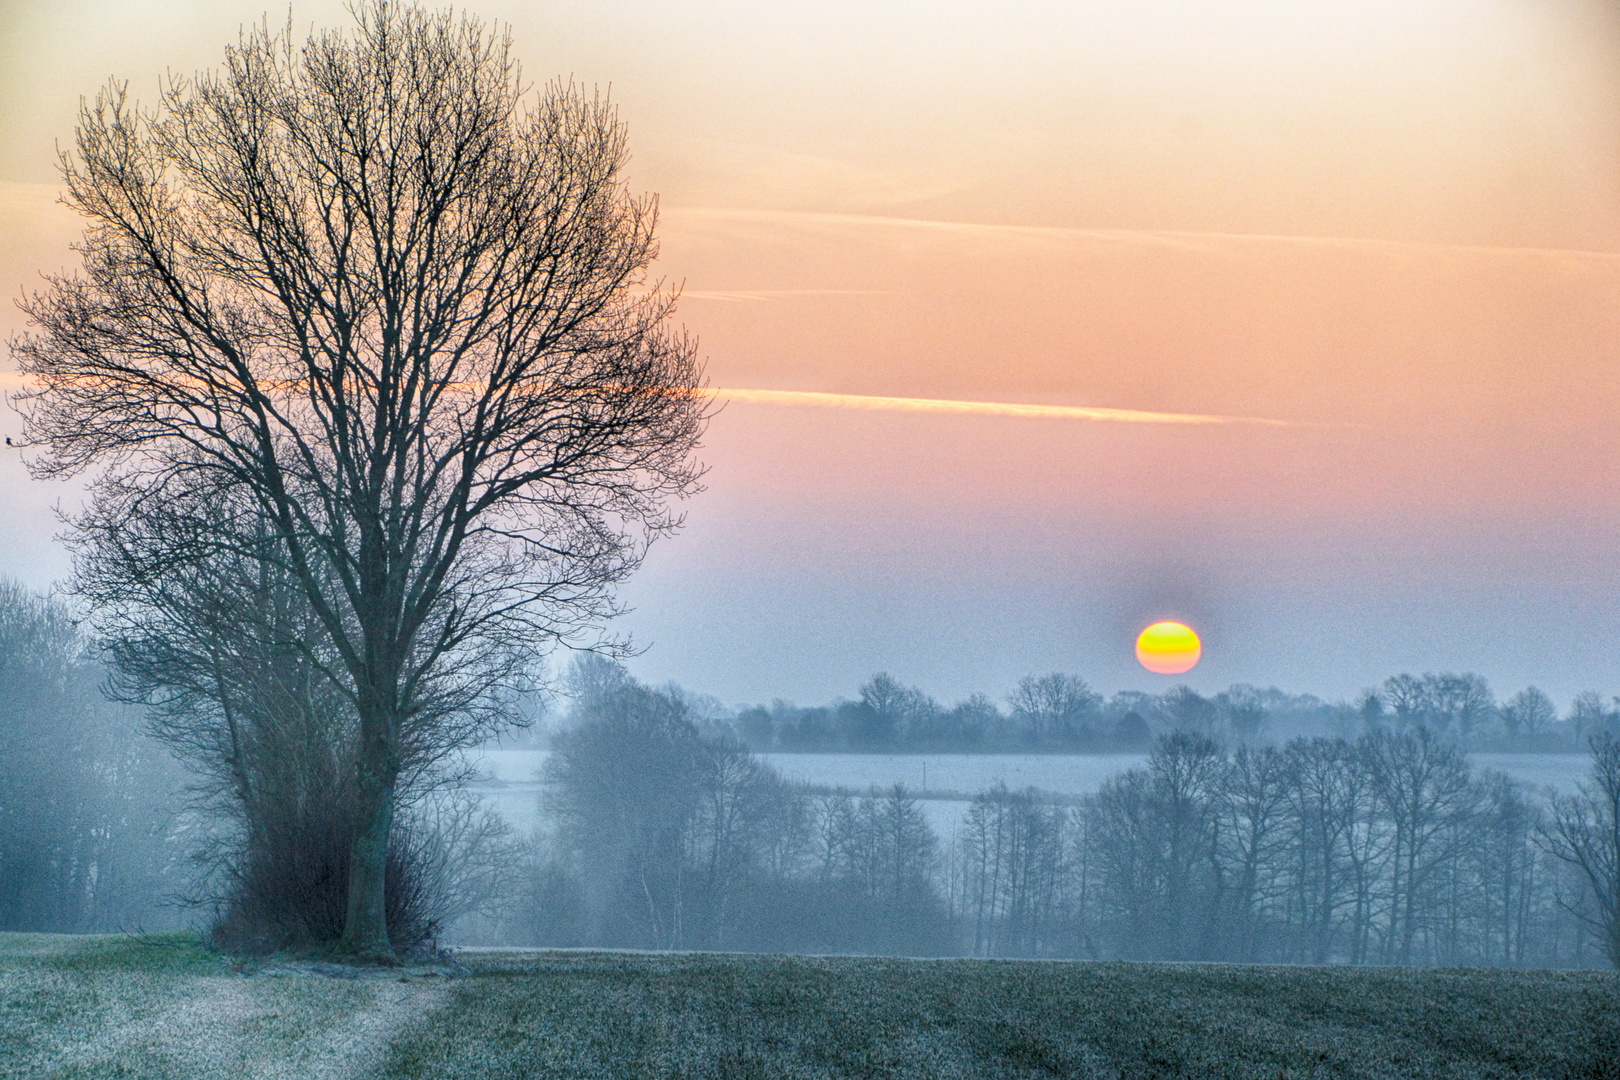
[(1169, 648)]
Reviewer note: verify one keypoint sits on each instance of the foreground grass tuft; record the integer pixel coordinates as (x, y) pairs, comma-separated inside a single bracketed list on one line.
[(165, 1007)]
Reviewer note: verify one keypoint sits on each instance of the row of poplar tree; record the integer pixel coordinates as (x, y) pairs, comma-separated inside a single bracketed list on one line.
[(1387, 849)]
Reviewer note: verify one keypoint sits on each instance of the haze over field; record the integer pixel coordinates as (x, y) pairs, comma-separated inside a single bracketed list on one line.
[(1392, 226), (945, 783)]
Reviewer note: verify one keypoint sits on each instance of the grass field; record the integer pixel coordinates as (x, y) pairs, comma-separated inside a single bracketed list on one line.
[(163, 1007)]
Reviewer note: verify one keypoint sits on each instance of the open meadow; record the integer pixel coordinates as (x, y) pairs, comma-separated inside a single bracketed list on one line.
[(163, 1007)]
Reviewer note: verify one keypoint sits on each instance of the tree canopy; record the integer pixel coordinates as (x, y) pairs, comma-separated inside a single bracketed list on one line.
[(365, 310)]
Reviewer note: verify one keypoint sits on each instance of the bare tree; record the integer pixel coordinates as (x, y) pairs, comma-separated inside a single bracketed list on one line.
[(890, 713), (1449, 703), (1053, 706), (1504, 862), (229, 659), (624, 788), (738, 826), (1013, 866), (1243, 708), (1252, 804), (394, 308), (1527, 713), (1458, 703), (1407, 698), (1327, 794), (1585, 832), (1367, 847), (1422, 785), (1587, 715), (1157, 835), (1189, 711)]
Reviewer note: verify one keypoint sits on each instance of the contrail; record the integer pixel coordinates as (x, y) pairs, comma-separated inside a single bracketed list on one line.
[(1174, 238), (814, 400), (735, 295)]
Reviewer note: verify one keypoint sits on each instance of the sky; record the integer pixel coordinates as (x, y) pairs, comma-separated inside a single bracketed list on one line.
[(1365, 255)]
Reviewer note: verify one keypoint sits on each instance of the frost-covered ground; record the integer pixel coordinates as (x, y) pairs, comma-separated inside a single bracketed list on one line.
[(162, 1008)]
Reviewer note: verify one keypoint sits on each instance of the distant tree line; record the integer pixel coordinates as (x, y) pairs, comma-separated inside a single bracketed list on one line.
[(1060, 713), (87, 830), (663, 831)]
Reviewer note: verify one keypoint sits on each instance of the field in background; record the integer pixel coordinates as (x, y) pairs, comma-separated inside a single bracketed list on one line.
[(514, 789), (164, 1009), (1561, 772)]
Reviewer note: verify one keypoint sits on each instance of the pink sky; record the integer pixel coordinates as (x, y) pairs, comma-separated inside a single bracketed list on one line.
[(1395, 226)]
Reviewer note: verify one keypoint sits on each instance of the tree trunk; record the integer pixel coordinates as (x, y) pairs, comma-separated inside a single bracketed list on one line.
[(365, 925)]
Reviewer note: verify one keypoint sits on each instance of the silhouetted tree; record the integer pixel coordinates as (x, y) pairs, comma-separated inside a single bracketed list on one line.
[(1370, 709), (1407, 698), (970, 723), (1328, 797), (1422, 785), (758, 728), (1585, 832), (1243, 710), (1252, 804), (1054, 707), (1188, 710), (1156, 832), (1132, 731), (1458, 704), (1527, 713), (625, 786), (1503, 857), (1588, 715), (368, 296), (1014, 855)]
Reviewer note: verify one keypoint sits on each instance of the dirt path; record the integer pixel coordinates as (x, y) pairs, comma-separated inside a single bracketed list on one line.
[(358, 1044), (262, 1027)]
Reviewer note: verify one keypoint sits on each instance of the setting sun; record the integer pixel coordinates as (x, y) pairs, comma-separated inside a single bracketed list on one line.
[(1169, 648)]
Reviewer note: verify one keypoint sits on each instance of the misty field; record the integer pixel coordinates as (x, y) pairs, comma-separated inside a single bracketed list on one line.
[(944, 782), (165, 1008)]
